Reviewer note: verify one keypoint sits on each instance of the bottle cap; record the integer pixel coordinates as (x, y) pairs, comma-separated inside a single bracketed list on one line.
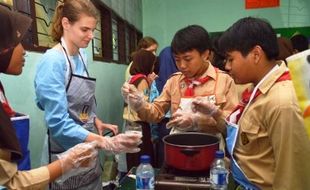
[(145, 159), (219, 154)]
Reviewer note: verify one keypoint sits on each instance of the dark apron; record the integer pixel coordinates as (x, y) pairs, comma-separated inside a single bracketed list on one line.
[(82, 109)]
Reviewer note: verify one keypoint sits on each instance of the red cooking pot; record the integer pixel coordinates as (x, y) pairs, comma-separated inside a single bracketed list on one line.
[(190, 151)]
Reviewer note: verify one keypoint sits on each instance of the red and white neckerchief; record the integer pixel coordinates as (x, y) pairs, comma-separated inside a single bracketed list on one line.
[(191, 84), (135, 77), (247, 96)]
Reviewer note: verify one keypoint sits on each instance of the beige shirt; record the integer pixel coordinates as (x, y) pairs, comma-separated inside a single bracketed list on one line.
[(220, 84), (11, 178), (130, 114), (241, 88), (273, 149)]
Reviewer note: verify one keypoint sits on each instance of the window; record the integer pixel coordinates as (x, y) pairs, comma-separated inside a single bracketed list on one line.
[(7, 3), (114, 39), (97, 40), (127, 44), (121, 41), (102, 42), (44, 12), (118, 38), (41, 11)]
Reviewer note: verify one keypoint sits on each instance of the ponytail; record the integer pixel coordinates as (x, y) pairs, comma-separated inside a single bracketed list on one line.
[(57, 29)]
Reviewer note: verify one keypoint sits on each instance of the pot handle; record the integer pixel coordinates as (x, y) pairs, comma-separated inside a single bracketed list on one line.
[(189, 152)]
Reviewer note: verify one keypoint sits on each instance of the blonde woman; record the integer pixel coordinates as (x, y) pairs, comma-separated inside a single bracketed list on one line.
[(66, 93)]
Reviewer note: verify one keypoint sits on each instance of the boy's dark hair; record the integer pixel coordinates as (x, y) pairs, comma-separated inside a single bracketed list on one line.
[(248, 32), (190, 38), (218, 56), (300, 42)]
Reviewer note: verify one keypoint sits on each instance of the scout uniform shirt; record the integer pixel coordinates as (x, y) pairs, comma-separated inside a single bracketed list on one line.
[(11, 178), (220, 84), (10, 152), (272, 147)]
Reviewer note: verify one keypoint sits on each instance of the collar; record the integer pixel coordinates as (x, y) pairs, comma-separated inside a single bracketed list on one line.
[(269, 82), (211, 72)]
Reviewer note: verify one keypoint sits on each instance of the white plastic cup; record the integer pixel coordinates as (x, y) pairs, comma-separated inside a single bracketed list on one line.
[(133, 127)]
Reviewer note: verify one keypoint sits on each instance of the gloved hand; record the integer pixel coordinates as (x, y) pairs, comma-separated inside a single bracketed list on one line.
[(185, 120), (121, 143), (77, 159), (212, 118), (132, 96), (205, 107), (182, 120)]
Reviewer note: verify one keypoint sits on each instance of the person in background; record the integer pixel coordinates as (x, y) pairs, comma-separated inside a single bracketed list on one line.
[(265, 134), (147, 43), (166, 68), (12, 60), (217, 58), (142, 66), (285, 48), (299, 42), (152, 95), (66, 93), (197, 77)]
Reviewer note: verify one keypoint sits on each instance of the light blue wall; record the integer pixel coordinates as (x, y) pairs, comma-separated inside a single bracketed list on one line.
[(162, 18)]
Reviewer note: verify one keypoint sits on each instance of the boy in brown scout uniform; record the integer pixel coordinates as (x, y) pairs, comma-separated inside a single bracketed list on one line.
[(197, 78), (266, 137)]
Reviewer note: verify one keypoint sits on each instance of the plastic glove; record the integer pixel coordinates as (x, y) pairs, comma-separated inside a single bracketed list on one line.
[(125, 91), (132, 96), (128, 142), (205, 107), (205, 123), (212, 120), (183, 120), (77, 159)]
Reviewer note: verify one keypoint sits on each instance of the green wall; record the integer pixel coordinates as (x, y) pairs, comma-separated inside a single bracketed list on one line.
[(162, 18)]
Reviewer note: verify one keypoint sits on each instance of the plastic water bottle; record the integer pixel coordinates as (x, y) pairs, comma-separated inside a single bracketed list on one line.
[(145, 174), (218, 172)]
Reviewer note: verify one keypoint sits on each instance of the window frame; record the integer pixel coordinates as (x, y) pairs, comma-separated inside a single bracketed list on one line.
[(31, 40)]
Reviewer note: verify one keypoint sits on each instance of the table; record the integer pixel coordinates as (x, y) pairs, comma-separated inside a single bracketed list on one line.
[(129, 183)]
